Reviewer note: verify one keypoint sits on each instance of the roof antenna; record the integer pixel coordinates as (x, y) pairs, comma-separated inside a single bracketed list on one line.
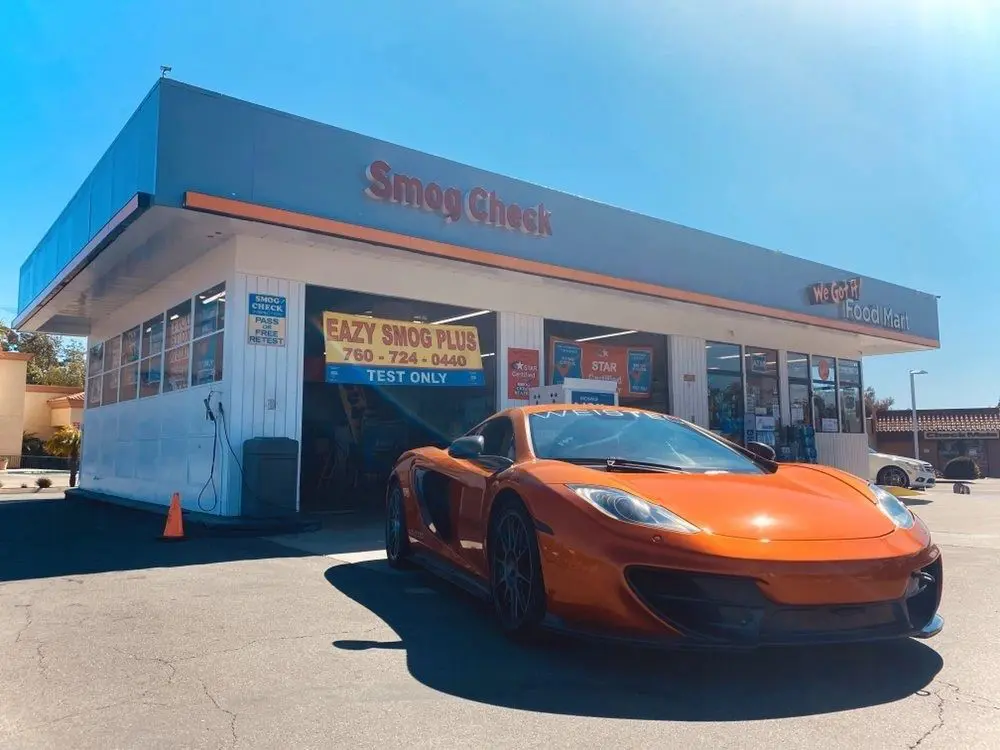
[(164, 69)]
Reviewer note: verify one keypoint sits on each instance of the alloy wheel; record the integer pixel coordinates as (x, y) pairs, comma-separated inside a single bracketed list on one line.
[(897, 477), (512, 570)]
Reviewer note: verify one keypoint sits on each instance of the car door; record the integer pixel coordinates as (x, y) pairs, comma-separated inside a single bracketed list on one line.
[(451, 492), (499, 453)]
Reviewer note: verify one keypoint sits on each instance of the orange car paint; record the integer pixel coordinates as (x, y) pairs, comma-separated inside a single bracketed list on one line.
[(842, 551)]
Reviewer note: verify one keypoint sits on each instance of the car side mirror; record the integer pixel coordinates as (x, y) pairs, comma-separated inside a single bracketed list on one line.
[(762, 450), (469, 446)]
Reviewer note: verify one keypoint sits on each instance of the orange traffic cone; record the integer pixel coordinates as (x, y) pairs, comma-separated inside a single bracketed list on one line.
[(174, 529)]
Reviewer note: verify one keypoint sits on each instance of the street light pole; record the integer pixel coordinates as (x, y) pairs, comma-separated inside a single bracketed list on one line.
[(913, 408)]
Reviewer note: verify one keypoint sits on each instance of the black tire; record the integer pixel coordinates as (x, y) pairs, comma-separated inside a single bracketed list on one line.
[(397, 541), (893, 476), (517, 589)]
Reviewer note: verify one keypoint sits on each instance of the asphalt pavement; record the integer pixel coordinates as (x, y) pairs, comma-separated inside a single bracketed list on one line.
[(113, 639)]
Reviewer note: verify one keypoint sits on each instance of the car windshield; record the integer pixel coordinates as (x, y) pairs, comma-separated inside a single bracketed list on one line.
[(599, 434)]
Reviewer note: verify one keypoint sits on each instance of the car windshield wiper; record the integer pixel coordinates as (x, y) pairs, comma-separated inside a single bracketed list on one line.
[(623, 464)]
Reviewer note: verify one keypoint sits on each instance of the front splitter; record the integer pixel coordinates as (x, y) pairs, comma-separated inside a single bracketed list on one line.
[(931, 629)]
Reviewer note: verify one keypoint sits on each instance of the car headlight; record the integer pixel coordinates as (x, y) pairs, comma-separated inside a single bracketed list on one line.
[(626, 507), (893, 508)]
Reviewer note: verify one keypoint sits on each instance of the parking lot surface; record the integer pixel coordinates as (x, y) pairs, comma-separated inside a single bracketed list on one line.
[(112, 639)]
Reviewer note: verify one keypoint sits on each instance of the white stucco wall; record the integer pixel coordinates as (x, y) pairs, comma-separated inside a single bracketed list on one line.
[(148, 448)]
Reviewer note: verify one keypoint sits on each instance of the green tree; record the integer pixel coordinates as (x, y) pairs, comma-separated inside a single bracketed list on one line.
[(55, 362), (70, 370), (874, 404), (65, 443)]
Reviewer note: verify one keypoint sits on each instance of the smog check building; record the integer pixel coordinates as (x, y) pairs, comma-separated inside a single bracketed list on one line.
[(245, 274)]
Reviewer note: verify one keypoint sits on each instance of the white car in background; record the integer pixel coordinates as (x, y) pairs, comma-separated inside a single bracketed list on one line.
[(899, 471)]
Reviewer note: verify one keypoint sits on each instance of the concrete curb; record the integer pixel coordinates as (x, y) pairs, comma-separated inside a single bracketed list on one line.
[(30, 490), (207, 522)]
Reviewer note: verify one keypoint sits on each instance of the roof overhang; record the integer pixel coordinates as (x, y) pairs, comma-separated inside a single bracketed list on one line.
[(143, 245), (118, 223), (146, 243)]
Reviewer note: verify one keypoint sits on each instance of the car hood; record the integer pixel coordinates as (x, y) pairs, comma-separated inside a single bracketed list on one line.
[(793, 504), (899, 460)]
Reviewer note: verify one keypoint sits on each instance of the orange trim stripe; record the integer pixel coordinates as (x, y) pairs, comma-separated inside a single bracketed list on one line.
[(293, 220)]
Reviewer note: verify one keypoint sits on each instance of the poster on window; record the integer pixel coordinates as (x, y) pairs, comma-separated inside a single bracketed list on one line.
[(522, 372), (629, 366), (130, 346)]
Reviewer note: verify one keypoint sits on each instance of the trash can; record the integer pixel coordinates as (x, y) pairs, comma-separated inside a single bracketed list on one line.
[(270, 469)]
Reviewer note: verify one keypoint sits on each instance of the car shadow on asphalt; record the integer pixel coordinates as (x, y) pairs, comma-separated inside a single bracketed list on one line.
[(452, 645), (48, 538)]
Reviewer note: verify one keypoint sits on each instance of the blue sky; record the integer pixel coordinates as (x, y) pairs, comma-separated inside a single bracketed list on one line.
[(860, 136)]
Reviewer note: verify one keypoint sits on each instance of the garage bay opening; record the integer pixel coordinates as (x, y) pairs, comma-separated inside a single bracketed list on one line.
[(383, 375)]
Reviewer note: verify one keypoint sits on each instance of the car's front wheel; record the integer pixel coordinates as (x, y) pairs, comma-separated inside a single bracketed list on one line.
[(397, 540), (516, 585), (893, 476)]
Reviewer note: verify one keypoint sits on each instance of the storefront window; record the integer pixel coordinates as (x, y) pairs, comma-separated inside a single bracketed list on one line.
[(150, 376), (800, 412), (129, 388), (95, 380), (95, 362), (151, 366), (637, 361), (851, 405), (824, 394), (152, 337), (209, 322), (725, 390), (210, 311), (176, 368), (177, 354), (763, 402), (112, 358), (207, 360), (109, 393), (95, 386), (130, 346)]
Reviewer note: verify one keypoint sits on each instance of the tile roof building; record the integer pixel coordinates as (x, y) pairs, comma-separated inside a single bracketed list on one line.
[(944, 434), (939, 420)]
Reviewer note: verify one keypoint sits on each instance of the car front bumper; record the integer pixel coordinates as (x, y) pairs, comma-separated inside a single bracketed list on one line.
[(734, 610), (828, 592)]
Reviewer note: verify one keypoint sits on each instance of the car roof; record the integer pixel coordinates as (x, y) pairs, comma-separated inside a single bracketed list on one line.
[(542, 408)]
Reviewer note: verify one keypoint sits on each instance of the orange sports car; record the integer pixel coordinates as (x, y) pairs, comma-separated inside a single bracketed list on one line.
[(630, 524)]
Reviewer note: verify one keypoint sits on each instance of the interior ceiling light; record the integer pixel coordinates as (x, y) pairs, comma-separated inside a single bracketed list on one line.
[(464, 316), (605, 336)]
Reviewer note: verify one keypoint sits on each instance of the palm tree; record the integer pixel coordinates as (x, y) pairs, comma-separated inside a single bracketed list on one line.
[(65, 443)]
